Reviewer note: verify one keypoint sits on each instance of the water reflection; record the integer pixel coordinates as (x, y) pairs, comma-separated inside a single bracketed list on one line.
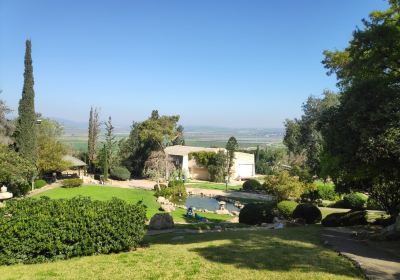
[(203, 202)]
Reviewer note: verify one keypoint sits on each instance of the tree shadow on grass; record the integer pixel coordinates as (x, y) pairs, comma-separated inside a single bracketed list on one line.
[(291, 249)]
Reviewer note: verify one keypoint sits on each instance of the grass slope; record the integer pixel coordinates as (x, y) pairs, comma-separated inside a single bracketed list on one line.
[(292, 253), (129, 195)]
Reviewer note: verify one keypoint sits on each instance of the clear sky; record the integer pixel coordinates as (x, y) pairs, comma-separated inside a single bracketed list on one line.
[(236, 63)]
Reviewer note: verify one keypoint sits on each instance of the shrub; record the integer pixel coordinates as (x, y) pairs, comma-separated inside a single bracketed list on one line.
[(354, 201), (286, 208), (40, 184), (72, 183), (39, 230), (283, 186), (310, 196), (175, 191), (351, 218), (309, 212), (257, 213), (251, 185), (120, 173), (327, 192), (372, 204)]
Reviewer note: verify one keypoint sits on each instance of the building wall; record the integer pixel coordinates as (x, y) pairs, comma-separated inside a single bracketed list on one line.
[(243, 159), (197, 172)]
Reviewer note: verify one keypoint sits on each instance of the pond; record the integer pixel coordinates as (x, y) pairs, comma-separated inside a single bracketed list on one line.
[(209, 203)]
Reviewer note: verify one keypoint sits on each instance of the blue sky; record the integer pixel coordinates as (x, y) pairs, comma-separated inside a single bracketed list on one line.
[(236, 63)]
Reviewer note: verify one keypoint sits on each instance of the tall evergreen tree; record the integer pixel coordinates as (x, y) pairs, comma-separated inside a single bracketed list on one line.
[(93, 135), (231, 146), (26, 135)]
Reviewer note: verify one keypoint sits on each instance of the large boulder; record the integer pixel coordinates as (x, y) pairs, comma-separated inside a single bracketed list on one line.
[(392, 232), (167, 208), (161, 221)]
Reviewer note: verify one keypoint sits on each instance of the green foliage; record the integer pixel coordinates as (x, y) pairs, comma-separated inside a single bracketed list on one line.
[(351, 218), (154, 134), (283, 186), (72, 183), (309, 212), (286, 208), (268, 160), (6, 126), (251, 185), (40, 183), (354, 201), (327, 191), (51, 150), (216, 164), (362, 134), (175, 191), (93, 135), (26, 134), (231, 146), (120, 173), (257, 213), (386, 194), (15, 172), (39, 230)]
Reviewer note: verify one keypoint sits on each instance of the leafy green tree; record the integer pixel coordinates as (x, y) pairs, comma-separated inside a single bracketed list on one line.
[(6, 126), (16, 172), (50, 149), (26, 134), (153, 134), (180, 139), (231, 147)]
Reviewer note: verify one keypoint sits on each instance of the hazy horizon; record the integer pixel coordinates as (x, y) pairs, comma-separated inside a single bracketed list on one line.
[(231, 64)]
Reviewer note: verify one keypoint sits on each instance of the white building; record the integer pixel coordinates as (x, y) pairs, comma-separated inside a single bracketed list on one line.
[(243, 167)]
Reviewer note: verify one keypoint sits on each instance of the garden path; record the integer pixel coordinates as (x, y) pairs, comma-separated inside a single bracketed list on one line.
[(378, 260)]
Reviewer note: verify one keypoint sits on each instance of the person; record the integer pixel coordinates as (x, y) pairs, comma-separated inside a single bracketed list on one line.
[(190, 212)]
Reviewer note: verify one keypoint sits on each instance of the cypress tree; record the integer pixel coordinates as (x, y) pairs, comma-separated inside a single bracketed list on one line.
[(26, 134)]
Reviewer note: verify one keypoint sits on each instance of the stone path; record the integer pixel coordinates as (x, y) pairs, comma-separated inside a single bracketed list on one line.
[(375, 258)]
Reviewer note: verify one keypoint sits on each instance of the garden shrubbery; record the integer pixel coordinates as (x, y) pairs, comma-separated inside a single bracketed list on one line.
[(351, 218), (286, 208), (354, 201), (308, 212), (120, 173), (40, 183), (257, 213), (38, 230), (327, 192), (251, 185), (175, 191), (72, 183)]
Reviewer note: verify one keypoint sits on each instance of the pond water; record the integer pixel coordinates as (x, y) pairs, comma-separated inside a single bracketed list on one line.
[(209, 203)]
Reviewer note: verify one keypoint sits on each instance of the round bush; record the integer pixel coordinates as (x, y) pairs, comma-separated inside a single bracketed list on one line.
[(354, 201), (40, 184), (286, 208), (39, 230), (309, 212), (120, 173), (72, 183), (327, 192), (257, 213), (251, 185)]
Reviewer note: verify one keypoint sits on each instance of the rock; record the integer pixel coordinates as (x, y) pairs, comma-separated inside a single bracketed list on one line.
[(218, 228), (222, 212), (392, 232), (276, 220), (161, 199), (299, 221), (235, 213), (167, 208), (161, 221), (264, 224)]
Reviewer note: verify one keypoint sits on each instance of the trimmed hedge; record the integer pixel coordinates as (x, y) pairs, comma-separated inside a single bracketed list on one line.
[(72, 183), (286, 208), (308, 212), (120, 173), (39, 230), (351, 218), (40, 183), (354, 201), (251, 185), (257, 213)]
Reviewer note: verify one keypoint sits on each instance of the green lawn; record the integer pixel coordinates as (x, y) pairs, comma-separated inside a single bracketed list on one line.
[(129, 195), (292, 253), (213, 186)]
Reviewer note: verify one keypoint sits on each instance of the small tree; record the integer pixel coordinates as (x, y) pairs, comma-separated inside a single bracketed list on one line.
[(156, 165), (93, 135), (232, 146)]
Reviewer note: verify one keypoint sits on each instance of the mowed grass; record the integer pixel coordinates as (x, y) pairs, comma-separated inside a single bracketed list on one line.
[(131, 196), (213, 186), (291, 253)]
